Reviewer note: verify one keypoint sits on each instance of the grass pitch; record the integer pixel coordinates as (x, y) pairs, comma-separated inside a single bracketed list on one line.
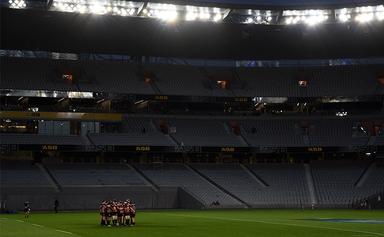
[(210, 223)]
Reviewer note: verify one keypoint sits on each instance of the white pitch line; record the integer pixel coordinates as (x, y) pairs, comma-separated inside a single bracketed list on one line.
[(37, 225), (20, 221), (363, 235), (277, 223), (66, 232)]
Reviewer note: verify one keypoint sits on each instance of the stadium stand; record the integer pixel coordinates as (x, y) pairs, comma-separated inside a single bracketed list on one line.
[(21, 174), (321, 81), (272, 133), (335, 182), (31, 74), (179, 80), (90, 175), (204, 132), (286, 185), (9, 138), (218, 104), (180, 175), (116, 77), (189, 80), (234, 179), (335, 131), (257, 185), (134, 132), (209, 131)]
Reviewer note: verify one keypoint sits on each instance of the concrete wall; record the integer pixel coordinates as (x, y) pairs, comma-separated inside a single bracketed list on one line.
[(87, 198)]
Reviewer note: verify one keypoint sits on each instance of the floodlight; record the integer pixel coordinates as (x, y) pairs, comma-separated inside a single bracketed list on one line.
[(249, 20), (380, 12), (17, 4), (364, 17), (309, 17), (217, 17)]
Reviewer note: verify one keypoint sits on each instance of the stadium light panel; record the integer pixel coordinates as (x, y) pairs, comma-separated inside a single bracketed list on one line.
[(363, 14), (344, 15), (165, 12), (257, 16), (189, 13), (17, 4), (217, 17), (380, 12), (249, 20), (171, 12), (309, 17), (100, 7), (364, 17)]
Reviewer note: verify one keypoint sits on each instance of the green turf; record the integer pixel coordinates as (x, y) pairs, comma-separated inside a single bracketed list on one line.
[(234, 223)]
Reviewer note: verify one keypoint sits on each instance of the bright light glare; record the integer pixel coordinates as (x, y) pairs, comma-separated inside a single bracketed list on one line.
[(97, 8), (249, 20), (191, 16), (121, 8), (344, 15), (18, 4), (364, 17), (309, 17), (380, 12), (165, 12), (170, 12), (217, 17), (369, 13)]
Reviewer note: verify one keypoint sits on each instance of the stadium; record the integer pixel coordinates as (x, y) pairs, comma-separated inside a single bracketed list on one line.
[(206, 117)]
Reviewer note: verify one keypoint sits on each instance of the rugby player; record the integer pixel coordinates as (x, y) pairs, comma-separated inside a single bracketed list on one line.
[(27, 209)]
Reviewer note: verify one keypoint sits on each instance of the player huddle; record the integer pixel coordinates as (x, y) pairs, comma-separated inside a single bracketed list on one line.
[(117, 213)]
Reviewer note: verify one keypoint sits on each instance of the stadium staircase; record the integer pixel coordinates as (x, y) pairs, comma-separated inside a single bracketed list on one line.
[(239, 137), (311, 186), (363, 177), (168, 136), (306, 140), (242, 137), (49, 177), (192, 202), (246, 205), (89, 139), (254, 176), (371, 141), (144, 177), (155, 88)]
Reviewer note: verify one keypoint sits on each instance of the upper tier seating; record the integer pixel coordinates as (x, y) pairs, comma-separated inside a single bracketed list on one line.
[(122, 77), (204, 133), (114, 77), (272, 133), (31, 74), (134, 132), (179, 80), (321, 81)]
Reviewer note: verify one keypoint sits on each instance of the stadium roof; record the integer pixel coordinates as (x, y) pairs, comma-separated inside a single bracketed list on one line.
[(277, 2), (170, 30)]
